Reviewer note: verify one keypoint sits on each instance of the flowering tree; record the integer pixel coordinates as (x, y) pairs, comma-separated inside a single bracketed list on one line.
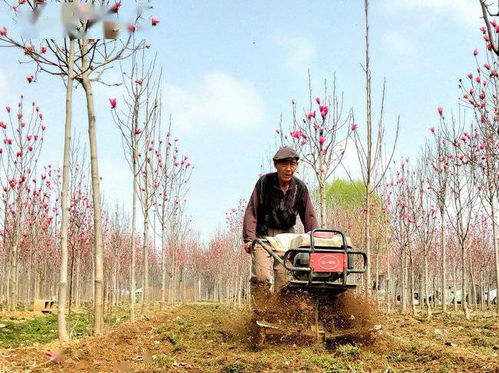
[(320, 137), (22, 139)]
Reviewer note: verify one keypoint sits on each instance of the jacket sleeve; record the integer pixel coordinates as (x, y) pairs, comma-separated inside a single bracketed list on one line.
[(307, 213), (250, 216)]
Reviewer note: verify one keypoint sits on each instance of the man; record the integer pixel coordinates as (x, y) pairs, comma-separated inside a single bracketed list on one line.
[(276, 200)]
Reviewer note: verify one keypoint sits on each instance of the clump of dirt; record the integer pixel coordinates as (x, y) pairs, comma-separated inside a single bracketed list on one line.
[(347, 318)]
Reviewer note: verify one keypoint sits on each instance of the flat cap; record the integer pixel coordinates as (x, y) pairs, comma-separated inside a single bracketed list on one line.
[(285, 153)]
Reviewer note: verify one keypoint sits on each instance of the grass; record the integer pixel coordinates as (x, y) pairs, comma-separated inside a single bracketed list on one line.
[(41, 329)]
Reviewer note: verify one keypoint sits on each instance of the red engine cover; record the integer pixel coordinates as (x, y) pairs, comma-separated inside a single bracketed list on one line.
[(328, 262)]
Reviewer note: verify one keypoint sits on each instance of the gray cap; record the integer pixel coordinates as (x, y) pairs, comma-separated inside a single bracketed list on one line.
[(285, 153)]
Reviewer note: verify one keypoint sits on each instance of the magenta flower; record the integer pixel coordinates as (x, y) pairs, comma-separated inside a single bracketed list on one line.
[(154, 21), (324, 110), (440, 111), (322, 140), (131, 27), (318, 100), (311, 115), (354, 126), (138, 131), (29, 78), (115, 7), (470, 75), (483, 29), (113, 103), (475, 52), (3, 31), (432, 129)]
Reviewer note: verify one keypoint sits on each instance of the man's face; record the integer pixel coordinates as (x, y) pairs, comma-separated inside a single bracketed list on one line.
[(286, 169)]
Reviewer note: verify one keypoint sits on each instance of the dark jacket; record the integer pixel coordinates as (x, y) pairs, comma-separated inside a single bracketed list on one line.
[(270, 207)]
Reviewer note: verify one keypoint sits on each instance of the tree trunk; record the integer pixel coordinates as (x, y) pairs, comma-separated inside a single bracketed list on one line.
[(463, 283), (134, 218), (98, 240), (444, 260), (496, 250), (63, 274), (367, 225), (426, 285)]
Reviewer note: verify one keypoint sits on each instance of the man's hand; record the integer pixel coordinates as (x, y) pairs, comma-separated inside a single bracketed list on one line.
[(247, 246)]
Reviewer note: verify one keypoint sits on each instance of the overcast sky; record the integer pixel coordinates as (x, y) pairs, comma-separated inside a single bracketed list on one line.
[(231, 67)]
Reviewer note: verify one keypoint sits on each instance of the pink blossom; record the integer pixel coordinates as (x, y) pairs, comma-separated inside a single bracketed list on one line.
[(19, 154), (3, 31), (44, 128), (483, 29), (139, 81), (486, 37), (43, 49), (324, 110), (318, 100), (487, 66), (277, 131), (29, 78), (432, 129), (470, 75), (322, 140), (113, 103), (154, 21), (311, 115), (477, 79), (7, 108), (115, 7), (354, 126), (489, 46), (493, 23), (56, 359), (131, 27), (324, 152), (30, 148), (497, 29), (440, 111), (475, 52)]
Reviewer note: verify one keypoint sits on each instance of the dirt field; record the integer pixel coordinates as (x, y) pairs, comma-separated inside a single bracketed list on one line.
[(215, 338)]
